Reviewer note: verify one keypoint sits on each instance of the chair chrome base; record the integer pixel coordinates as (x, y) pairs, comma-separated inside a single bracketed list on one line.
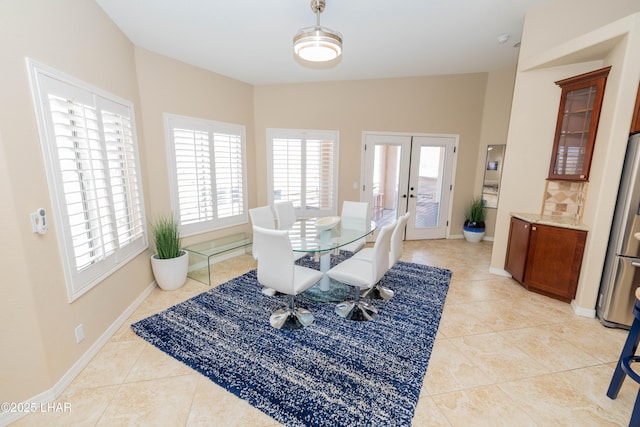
[(288, 319), (356, 310), (378, 292)]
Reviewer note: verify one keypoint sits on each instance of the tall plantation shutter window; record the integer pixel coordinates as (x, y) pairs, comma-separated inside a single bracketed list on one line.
[(207, 167), (287, 167), (90, 150), (228, 155), (302, 168), (193, 166)]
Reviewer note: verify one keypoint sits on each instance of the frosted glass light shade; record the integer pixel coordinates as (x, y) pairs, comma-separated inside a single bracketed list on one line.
[(317, 44)]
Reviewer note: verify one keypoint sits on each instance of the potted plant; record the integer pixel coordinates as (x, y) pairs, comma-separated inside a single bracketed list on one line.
[(474, 216), (170, 263)]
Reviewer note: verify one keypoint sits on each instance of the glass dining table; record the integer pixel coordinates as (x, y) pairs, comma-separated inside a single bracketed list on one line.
[(321, 237)]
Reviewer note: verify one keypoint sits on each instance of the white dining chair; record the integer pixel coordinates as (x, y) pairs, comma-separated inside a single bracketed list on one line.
[(286, 217), (277, 270), (397, 238), (261, 217), (285, 214), (354, 212), (395, 252), (363, 274)]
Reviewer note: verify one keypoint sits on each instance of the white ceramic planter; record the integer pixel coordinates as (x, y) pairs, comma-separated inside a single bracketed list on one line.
[(473, 236), (170, 273)]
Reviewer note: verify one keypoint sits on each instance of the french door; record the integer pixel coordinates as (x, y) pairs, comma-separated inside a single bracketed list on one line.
[(411, 173)]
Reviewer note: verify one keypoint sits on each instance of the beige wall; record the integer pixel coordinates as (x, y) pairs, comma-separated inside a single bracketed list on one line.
[(169, 86), (433, 104), (549, 25), (38, 342), (21, 341), (37, 347), (586, 42), (495, 124)]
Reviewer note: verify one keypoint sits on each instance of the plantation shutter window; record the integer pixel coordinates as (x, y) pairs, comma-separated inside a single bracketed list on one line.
[(193, 168), (302, 168), (126, 188), (228, 157), (287, 166), (320, 166), (207, 169), (90, 150)]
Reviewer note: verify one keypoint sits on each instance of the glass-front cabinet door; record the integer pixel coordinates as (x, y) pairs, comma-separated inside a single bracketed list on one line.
[(580, 105)]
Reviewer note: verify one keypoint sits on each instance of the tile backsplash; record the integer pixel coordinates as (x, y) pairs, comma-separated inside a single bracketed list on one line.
[(564, 198)]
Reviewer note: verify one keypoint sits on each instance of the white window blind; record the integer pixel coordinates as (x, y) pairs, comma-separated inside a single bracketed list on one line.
[(303, 169), (208, 173), (89, 144)]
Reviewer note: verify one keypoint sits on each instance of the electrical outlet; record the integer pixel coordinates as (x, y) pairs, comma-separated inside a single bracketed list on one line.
[(79, 333)]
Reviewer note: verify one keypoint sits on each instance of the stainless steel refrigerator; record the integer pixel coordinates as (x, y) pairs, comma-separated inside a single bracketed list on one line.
[(621, 273)]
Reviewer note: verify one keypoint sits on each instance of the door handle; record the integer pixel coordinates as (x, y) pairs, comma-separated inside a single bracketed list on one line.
[(404, 196), (412, 195), (635, 263)]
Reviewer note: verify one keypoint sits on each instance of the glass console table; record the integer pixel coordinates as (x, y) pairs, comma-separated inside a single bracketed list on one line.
[(200, 254)]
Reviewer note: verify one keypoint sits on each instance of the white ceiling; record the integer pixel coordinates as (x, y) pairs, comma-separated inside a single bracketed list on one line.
[(251, 40)]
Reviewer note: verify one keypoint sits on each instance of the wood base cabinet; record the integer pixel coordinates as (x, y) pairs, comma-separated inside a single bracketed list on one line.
[(545, 259)]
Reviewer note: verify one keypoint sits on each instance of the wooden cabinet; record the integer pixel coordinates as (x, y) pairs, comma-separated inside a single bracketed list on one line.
[(577, 125), (635, 123), (545, 259)]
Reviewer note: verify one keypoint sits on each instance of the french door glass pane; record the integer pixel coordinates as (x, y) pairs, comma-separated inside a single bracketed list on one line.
[(429, 192), (386, 181)]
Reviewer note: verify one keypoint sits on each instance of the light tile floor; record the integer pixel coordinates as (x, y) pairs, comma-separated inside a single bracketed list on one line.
[(502, 356)]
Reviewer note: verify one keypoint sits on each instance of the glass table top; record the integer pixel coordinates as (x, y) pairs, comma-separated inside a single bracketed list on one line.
[(307, 236)]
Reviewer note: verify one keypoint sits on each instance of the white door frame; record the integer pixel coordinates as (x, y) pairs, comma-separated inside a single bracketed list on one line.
[(404, 139)]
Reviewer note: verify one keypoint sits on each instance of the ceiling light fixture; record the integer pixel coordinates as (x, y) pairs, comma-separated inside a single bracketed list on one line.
[(317, 44)]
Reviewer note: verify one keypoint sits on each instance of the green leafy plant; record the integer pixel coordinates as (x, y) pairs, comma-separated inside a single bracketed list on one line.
[(167, 236), (476, 213)]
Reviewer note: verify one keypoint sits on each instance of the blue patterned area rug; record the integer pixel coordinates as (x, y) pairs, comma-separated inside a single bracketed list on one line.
[(333, 373)]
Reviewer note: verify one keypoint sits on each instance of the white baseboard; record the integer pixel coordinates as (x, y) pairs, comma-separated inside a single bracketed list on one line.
[(461, 236), (499, 272), (581, 311), (50, 395)]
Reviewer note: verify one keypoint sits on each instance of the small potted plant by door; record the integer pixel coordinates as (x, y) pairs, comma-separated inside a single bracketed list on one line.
[(474, 227), (170, 263)]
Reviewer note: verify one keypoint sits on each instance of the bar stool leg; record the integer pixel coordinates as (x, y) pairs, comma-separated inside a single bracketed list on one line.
[(635, 415), (627, 357), (629, 349)]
